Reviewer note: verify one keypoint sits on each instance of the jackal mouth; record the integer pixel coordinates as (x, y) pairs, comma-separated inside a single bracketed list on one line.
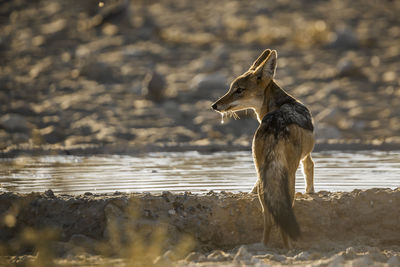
[(227, 109)]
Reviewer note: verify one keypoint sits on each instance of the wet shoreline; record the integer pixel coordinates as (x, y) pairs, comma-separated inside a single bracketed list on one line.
[(334, 145)]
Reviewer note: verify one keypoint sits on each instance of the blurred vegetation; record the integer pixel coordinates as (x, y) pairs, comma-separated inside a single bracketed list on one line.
[(128, 239)]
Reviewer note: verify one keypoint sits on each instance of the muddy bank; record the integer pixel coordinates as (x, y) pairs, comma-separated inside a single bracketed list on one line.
[(86, 150), (212, 221)]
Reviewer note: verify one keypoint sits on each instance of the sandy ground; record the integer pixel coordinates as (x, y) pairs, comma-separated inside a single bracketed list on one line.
[(144, 73), (359, 228)]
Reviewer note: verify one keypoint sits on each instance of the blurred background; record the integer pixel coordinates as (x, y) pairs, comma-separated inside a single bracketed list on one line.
[(75, 74)]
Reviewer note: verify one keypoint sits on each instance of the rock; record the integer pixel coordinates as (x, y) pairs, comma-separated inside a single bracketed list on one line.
[(219, 255), (18, 138), (171, 212), (14, 123), (54, 26), (49, 193), (21, 108), (208, 85), (166, 259), (99, 71), (350, 253), (345, 39), (154, 86), (302, 256), (243, 255), (347, 68), (53, 134), (195, 257)]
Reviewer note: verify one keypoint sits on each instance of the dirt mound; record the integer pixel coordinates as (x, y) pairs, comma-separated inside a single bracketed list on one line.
[(99, 223)]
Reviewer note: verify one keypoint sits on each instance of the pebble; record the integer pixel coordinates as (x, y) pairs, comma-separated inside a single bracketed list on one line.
[(347, 68), (49, 193), (243, 255), (219, 255), (302, 256), (195, 257), (14, 123), (171, 212), (154, 86), (345, 39)]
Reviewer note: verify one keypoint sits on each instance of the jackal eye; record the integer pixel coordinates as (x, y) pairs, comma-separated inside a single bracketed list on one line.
[(239, 90)]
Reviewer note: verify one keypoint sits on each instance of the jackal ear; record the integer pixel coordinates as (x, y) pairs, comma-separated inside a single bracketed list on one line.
[(267, 68), (260, 59)]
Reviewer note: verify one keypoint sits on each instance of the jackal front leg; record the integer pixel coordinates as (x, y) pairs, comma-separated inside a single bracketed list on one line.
[(308, 171)]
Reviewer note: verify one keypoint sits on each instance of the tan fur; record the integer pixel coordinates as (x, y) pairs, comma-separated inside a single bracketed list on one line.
[(256, 89)]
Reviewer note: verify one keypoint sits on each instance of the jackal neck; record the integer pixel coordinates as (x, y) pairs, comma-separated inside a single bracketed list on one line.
[(274, 97)]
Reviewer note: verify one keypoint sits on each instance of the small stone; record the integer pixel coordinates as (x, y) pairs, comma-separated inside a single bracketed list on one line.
[(195, 257), (350, 252), (242, 255), (161, 261), (52, 134), (154, 86), (166, 259), (99, 71), (171, 212), (277, 257), (49, 193), (347, 68), (14, 123), (345, 39), (219, 255), (302, 256)]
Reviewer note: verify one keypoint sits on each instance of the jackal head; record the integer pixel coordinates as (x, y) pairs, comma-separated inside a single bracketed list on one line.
[(248, 90)]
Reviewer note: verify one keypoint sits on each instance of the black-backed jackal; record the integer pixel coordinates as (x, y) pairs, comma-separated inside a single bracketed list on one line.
[(283, 139)]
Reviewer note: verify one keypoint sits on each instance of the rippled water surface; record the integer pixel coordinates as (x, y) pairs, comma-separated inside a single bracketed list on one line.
[(188, 171)]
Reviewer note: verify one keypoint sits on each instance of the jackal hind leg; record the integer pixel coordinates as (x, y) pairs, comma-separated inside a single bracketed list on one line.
[(267, 226), (268, 220), (286, 240), (308, 171)]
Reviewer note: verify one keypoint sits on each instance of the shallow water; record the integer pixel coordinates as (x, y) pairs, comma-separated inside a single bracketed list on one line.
[(188, 171)]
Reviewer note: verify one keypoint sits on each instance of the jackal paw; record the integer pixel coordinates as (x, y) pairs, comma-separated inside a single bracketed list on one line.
[(253, 191), (310, 191)]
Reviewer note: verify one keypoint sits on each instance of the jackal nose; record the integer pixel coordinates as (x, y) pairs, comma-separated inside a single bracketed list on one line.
[(214, 106)]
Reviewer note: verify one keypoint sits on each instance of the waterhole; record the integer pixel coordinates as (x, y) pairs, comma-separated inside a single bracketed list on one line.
[(188, 171)]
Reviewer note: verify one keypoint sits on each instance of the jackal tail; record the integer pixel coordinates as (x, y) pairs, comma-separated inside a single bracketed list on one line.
[(277, 198)]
